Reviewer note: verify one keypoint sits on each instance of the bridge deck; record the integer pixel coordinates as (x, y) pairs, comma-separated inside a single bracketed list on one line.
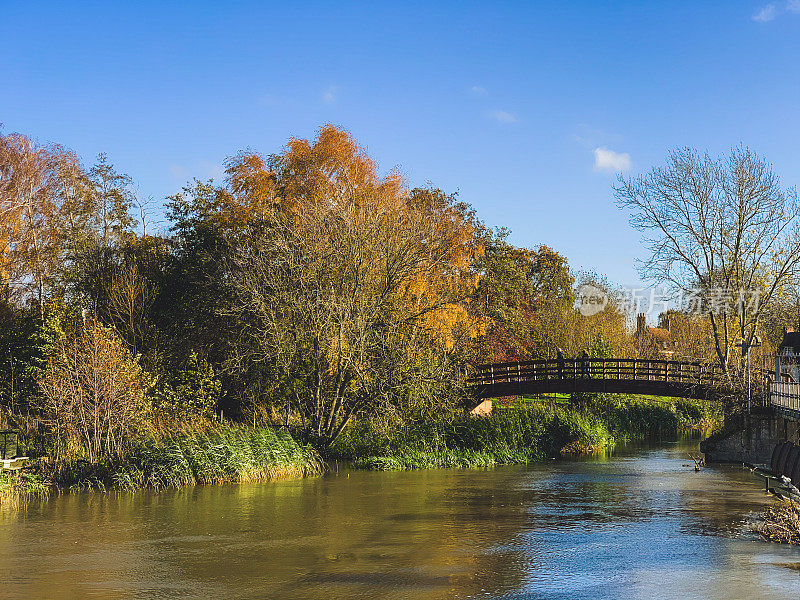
[(624, 376)]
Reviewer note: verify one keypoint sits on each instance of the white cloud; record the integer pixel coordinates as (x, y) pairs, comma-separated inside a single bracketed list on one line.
[(330, 94), (765, 14), (608, 160), (481, 91), (503, 116), (793, 6)]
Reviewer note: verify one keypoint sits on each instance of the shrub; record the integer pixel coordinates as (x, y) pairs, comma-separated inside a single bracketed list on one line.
[(191, 395), (93, 395)]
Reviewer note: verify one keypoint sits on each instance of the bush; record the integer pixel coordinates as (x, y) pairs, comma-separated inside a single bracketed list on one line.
[(93, 395), (190, 396)]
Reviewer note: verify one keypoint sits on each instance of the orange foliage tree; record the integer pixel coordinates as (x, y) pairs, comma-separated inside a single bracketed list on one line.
[(347, 281), (33, 184)]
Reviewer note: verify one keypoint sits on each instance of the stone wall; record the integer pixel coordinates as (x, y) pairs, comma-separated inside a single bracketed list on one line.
[(752, 441)]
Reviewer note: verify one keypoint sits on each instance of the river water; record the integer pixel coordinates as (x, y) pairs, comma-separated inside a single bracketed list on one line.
[(638, 524)]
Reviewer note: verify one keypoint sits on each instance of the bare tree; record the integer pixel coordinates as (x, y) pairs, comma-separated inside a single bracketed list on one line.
[(720, 229), (130, 301), (144, 207)]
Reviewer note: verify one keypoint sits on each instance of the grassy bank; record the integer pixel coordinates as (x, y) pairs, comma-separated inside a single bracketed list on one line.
[(521, 432), (18, 486), (221, 454)]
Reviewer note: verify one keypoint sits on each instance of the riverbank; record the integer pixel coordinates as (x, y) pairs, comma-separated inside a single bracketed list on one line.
[(522, 432), (224, 454)]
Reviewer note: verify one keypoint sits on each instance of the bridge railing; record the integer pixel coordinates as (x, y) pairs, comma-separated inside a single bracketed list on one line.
[(689, 373), (785, 395)]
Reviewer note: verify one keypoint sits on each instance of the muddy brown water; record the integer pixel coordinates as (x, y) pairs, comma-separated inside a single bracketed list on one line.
[(639, 523)]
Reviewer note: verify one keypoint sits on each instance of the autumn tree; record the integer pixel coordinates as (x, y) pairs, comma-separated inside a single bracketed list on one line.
[(31, 198), (604, 333), (520, 297), (112, 198), (691, 334), (93, 394), (347, 277)]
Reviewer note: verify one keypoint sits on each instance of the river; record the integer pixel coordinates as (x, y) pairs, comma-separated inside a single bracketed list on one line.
[(640, 523)]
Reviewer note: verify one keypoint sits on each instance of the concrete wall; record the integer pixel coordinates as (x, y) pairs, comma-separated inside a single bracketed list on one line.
[(752, 442)]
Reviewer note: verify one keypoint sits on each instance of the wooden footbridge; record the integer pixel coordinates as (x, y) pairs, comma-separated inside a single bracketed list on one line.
[(615, 375)]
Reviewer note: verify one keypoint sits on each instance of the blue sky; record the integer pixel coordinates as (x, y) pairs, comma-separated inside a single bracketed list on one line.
[(527, 109)]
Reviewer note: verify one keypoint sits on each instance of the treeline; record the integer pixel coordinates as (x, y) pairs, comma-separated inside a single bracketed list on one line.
[(305, 290)]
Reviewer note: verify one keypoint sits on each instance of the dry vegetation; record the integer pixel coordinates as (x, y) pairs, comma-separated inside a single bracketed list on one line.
[(780, 523)]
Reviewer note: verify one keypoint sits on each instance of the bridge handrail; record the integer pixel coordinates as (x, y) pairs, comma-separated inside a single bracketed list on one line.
[(600, 360), (674, 371)]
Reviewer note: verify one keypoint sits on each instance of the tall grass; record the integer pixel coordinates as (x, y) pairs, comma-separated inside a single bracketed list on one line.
[(523, 433), (505, 436), (629, 417), (224, 454), (17, 487)]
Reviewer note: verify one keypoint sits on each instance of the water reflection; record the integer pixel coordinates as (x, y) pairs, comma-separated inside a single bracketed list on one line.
[(639, 524)]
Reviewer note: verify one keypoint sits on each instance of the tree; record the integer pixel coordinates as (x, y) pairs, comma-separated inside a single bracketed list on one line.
[(722, 230), (520, 294), (112, 199), (31, 197), (691, 334), (93, 394), (207, 223), (347, 279)]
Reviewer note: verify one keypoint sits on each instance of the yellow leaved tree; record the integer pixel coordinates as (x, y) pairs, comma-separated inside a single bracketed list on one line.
[(347, 281)]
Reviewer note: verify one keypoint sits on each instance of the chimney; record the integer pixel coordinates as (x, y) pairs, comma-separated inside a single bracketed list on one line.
[(641, 324), (666, 323)]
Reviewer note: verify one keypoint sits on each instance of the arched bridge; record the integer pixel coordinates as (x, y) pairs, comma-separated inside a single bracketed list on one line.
[(614, 375)]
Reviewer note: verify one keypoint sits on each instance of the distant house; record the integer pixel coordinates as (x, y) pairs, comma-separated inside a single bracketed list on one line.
[(790, 344), (787, 368), (654, 342)]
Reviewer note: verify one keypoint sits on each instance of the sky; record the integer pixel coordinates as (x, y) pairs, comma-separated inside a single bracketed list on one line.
[(529, 110)]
